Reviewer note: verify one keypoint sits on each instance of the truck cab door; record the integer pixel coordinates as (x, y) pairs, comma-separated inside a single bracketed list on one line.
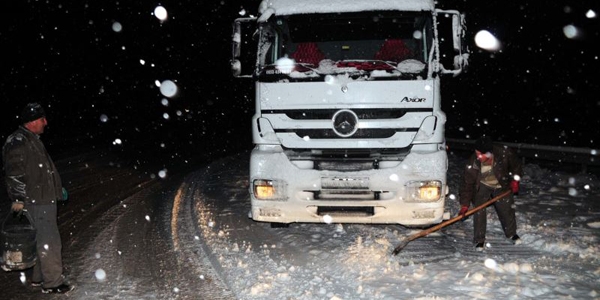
[(244, 47)]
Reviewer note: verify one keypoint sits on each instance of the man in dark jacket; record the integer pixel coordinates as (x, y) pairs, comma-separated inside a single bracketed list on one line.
[(34, 185), (490, 171)]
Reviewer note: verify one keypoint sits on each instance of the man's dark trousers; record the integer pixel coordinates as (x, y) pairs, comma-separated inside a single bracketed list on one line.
[(48, 268), (504, 208)]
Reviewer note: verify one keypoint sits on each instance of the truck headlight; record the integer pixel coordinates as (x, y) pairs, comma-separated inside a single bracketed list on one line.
[(424, 191), (265, 189)]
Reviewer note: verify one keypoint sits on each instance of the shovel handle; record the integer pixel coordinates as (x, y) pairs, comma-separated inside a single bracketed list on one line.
[(447, 222)]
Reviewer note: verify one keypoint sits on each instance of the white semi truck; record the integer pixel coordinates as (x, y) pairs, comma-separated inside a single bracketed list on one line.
[(348, 126)]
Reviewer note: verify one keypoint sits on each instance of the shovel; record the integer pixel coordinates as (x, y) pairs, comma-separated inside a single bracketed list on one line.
[(425, 232)]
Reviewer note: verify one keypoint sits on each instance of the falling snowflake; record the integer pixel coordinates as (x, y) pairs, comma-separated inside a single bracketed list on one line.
[(160, 13), (100, 275)]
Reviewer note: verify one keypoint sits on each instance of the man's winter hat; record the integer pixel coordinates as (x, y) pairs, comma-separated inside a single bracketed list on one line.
[(484, 144), (32, 112)]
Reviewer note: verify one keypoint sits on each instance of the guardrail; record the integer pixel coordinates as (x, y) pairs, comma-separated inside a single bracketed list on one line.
[(582, 156)]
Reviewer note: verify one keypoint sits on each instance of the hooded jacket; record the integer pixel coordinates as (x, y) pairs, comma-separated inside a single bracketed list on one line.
[(31, 176), (505, 166)]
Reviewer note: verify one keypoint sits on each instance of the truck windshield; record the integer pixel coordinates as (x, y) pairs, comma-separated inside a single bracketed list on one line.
[(365, 44)]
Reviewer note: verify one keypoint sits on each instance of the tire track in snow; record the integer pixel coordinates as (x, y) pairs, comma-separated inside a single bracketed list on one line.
[(193, 260)]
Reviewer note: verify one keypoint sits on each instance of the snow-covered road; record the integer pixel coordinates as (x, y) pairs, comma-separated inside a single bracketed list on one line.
[(124, 235), (558, 219), (135, 236)]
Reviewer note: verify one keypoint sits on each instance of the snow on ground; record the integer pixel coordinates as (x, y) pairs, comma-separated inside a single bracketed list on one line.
[(558, 219), (162, 244)]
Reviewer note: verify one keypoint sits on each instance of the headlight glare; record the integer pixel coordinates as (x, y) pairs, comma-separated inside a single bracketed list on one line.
[(424, 191), (265, 189)]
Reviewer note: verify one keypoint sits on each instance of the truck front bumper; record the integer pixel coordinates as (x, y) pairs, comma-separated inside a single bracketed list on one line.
[(377, 196)]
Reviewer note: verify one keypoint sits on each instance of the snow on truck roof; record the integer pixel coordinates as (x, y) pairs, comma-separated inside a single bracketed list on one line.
[(292, 7)]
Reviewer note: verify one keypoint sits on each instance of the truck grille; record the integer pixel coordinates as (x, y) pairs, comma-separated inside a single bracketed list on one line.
[(300, 128), (348, 159), (360, 134), (363, 114)]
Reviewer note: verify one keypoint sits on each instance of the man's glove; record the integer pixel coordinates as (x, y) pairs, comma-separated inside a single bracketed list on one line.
[(514, 187), (17, 208), (65, 195), (463, 211)]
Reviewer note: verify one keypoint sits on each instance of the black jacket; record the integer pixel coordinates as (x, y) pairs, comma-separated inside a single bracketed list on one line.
[(31, 176), (506, 166)]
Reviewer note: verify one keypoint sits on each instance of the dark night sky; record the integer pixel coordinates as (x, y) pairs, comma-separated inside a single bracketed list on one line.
[(67, 56), (542, 88)]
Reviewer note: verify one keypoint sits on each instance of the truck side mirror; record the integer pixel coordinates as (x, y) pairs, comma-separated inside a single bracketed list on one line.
[(461, 60), (236, 67), (461, 54), (457, 32), (243, 55)]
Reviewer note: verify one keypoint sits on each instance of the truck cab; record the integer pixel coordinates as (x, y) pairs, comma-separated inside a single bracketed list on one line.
[(348, 126)]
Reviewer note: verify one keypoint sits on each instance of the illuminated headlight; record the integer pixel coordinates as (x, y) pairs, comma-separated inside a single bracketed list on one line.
[(268, 189), (424, 191)]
